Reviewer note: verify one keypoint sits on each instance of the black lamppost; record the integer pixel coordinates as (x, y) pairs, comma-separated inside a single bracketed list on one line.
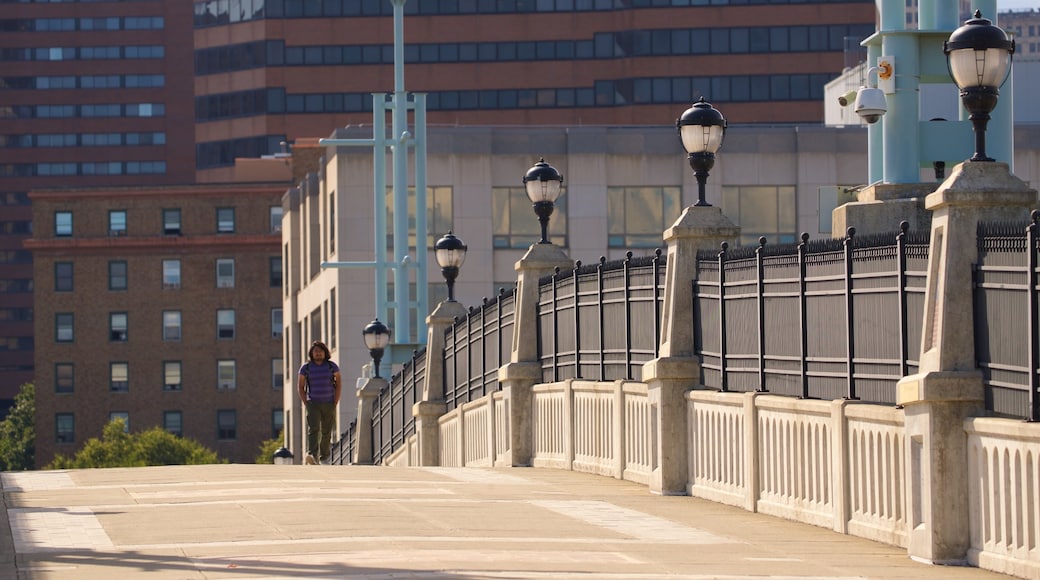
[(701, 128), (377, 336), (450, 252), (978, 55), (543, 184)]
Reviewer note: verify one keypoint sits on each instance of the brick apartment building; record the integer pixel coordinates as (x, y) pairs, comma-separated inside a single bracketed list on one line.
[(161, 305)]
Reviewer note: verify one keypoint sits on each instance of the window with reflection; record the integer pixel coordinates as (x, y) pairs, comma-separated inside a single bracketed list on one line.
[(515, 223), (762, 210), (438, 215), (638, 216)]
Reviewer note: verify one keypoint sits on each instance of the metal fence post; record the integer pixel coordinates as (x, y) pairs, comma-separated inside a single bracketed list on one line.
[(1034, 323), (904, 339), (657, 303), (723, 381), (555, 325), (577, 322), (850, 333), (628, 316), (803, 324), (761, 290), (602, 332)]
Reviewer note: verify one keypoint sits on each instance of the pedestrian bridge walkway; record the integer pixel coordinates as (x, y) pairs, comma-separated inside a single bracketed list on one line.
[(278, 521)]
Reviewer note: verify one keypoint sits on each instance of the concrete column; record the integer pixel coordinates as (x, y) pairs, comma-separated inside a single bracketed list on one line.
[(428, 410), (677, 369), (948, 387), (366, 396), (524, 369)]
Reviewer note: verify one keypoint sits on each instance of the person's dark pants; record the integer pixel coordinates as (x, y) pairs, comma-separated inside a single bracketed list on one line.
[(321, 419)]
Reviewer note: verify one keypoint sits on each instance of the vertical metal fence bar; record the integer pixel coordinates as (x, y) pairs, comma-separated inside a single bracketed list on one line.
[(803, 330), (555, 325), (850, 333), (904, 338), (657, 303), (761, 291), (628, 315), (483, 347), (723, 381), (455, 363), (498, 326), (602, 332), (1034, 323), (469, 356), (577, 322)]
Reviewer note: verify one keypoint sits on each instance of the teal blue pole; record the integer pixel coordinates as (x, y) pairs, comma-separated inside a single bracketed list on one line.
[(421, 252), (902, 135)]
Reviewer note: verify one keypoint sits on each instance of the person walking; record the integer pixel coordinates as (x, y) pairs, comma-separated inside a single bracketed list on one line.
[(319, 387)]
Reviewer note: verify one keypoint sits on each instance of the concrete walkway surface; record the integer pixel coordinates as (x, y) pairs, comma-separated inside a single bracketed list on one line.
[(275, 521)]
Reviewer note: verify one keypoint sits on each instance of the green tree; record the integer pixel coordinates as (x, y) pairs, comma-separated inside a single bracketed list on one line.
[(118, 448), (265, 454), (18, 432)]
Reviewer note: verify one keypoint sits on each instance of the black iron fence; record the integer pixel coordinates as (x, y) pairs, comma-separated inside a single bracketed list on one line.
[(342, 451), (1007, 322), (825, 319), (475, 348), (392, 419), (601, 321)]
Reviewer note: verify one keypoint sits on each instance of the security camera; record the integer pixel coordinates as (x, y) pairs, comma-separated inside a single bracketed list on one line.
[(870, 104), (847, 98)]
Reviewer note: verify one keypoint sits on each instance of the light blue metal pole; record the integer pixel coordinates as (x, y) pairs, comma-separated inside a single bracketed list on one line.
[(399, 133), (421, 254)]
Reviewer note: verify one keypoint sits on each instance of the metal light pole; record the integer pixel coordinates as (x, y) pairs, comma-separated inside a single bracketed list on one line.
[(398, 142)]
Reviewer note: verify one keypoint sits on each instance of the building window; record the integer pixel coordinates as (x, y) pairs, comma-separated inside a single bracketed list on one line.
[(276, 323), (64, 428), (117, 275), (227, 424), (171, 273), (277, 423), (171, 221), (516, 226), (276, 219), (64, 378), (123, 416), (63, 277), (117, 326), (332, 317), (225, 375), (63, 223), (762, 210), (332, 220), (277, 378), (226, 323), (225, 220), (117, 222), (274, 266), (173, 422), (172, 380), (438, 214), (171, 325), (638, 216), (63, 325), (119, 373), (225, 272)]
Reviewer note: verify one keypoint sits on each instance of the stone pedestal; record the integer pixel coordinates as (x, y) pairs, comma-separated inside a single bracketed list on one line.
[(948, 387), (880, 208), (524, 369), (517, 378), (431, 404), (677, 369), (366, 396)]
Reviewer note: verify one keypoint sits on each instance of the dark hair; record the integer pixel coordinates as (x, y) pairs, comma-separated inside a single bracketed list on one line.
[(321, 345)]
